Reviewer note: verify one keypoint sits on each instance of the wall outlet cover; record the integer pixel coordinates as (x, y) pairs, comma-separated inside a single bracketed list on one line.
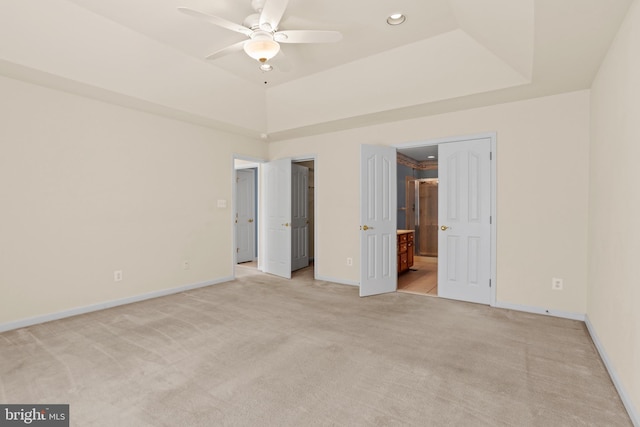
[(557, 284)]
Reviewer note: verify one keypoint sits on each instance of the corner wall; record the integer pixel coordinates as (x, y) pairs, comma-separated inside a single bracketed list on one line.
[(542, 173), (614, 208), (88, 188)]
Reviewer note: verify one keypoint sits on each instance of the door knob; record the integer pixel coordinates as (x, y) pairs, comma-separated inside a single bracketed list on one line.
[(366, 227), (444, 228), (285, 225), (251, 220)]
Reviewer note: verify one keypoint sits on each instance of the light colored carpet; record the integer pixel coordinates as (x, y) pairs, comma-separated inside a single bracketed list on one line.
[(261, 351)]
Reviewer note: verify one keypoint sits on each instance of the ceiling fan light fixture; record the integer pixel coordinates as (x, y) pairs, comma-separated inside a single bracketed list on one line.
[(266, 67), (261, 47), (396, 19)]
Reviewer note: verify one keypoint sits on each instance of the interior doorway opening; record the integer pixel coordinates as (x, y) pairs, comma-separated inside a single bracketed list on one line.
[(261, 192), (245, 213), (466, 215), (418, 221), (303, 211)]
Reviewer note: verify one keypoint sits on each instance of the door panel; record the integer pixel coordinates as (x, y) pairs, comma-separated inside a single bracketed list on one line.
[(378, 206), (277, 179), (299, 217), (245, 215), (464, 246)]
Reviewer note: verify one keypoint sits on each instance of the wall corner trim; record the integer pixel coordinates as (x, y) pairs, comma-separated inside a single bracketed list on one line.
[(539, 310), (626, 401), (338, 281), (23, 323)]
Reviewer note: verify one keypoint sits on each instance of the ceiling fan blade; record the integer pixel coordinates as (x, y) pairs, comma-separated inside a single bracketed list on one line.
[(307, 36), (272, 14), (220, 22), (237, 47)]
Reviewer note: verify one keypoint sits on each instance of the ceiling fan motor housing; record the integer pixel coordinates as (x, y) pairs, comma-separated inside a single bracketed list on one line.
[(258, 5), (252, 21)]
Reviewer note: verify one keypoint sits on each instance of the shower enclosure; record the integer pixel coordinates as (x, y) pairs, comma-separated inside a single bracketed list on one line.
[(422, 214)]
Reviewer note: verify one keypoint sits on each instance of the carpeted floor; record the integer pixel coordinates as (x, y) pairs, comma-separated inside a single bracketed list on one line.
[(262, 351)]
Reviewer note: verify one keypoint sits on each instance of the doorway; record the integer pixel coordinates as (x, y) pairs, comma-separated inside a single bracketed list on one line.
[(466, 216), (465, 226), (251, 192), (418, 215), (245, 213), (303, 212)]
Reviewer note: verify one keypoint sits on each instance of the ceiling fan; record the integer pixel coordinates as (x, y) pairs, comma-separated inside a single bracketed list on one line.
[(263, 32)]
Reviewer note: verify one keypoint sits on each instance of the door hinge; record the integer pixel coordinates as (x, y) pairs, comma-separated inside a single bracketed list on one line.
[(490, 219), (489, 282), (490, 155)]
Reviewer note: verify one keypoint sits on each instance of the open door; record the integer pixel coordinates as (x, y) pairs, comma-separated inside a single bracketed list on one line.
[(378, 237), (464, 214), (245, 215), (299, 217), (277, 199)]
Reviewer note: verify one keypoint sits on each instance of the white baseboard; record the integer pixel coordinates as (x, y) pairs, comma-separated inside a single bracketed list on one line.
[(538, 310), (108, 304), (626, 401), (338, 281)]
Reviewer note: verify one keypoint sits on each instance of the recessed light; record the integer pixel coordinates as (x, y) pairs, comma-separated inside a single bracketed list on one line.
[(396, 19), (431, 157)]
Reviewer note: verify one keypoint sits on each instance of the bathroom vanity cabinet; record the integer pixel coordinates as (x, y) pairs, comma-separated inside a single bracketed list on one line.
[(405, 250)]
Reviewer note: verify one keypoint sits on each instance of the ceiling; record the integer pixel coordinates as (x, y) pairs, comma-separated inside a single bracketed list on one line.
[(420, 154), (448, 55)]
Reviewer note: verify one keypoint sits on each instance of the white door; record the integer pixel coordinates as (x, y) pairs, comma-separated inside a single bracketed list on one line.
[(277, 197), (299, 217), (378, 237), (245, 215), (464, 216)]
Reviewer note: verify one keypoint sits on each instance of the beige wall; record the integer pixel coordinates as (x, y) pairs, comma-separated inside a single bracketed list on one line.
[(542, 173), (614, 208), (88, 188)]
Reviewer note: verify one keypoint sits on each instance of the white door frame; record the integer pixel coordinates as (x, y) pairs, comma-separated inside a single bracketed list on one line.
[(234, 201), (494, 220)]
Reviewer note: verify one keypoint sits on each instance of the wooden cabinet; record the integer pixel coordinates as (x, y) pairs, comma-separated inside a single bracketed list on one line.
[(405, 250)]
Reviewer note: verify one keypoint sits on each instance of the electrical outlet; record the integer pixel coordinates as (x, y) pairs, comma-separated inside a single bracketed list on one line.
[(185, 265), (556, 284), (117, 276), (349, 262)]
